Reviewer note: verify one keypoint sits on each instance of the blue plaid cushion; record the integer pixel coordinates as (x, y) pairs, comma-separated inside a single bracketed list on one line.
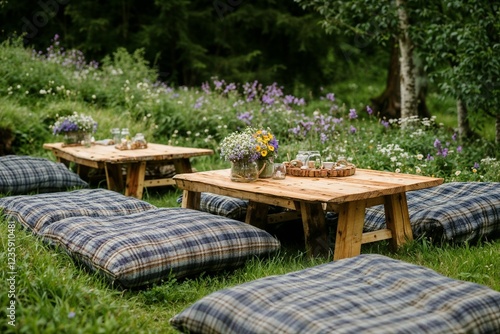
[(225, 206), (365, 294), (456, 211), (37, 211), (25, 174), (143, 248)]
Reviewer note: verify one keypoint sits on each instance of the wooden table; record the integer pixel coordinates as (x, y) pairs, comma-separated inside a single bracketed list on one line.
[(112, 160), (348, 196)]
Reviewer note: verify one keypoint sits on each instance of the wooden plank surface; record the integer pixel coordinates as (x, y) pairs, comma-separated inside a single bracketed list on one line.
[(365, 184), (110, 154)]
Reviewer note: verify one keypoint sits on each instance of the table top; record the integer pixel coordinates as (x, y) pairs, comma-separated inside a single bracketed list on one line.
[(110, 154), (365, 184)]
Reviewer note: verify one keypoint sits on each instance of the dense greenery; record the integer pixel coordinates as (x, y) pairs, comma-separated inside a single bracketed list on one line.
[(56, 296), (190, 41)]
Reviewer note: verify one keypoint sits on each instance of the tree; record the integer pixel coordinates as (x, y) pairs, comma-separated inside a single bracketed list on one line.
[(381, 21), (460, 43)]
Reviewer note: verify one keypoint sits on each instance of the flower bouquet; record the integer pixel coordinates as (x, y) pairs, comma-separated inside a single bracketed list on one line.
[(267, 147), (246, 150), (75, 128)]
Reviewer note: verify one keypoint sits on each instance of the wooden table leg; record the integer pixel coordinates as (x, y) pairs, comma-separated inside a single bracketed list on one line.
[(398, 219), (191, 199), (257, 214), (349, 229), (114, 177), (313, 222), (182, 166), (136, 172)]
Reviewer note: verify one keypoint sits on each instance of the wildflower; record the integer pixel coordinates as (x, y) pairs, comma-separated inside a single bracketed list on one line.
[(420, 156), (352, 130), (71, 315), (369, 110), (418, 170), (476, 165), (385, 123), (352, 114), (474, 170), (457, 173), (437, 143), (430, 157), (459, 149), (330, 97), (43, 91), (398, 170)]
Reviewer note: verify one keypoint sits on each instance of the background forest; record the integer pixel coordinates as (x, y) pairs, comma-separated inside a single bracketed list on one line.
[(322, 74)]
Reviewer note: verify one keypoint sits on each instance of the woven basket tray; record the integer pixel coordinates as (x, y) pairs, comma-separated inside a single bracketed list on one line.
[(340, 169)]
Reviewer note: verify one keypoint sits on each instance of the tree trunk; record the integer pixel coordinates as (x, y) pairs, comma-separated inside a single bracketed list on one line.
[(388, 104), (408, 82), (497, 137), (463, 121)]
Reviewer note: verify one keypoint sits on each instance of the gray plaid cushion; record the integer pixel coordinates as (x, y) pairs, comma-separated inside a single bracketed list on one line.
[(456, 211), (364, 294), (25, 174), (37, 211), (226, 206), (143, 248)]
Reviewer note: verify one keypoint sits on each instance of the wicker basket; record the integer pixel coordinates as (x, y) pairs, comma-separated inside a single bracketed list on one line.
[(339, 169)]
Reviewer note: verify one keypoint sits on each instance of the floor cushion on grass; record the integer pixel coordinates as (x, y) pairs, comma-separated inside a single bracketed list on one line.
[(365, 294), (225, 206), (26, 174), (37, 211), (456, 211), (143, 248)]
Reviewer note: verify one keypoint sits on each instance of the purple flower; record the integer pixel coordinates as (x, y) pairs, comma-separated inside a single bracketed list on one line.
[(444, 152), (352, 130), (454, 137), (437, 143), (476, 165), (430, 157), (330, 97), (459, 149), (369, 110), (385, 123), (352, 114)]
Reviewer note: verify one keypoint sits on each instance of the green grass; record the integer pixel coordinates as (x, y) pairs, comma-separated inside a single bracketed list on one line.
[(55, 295)]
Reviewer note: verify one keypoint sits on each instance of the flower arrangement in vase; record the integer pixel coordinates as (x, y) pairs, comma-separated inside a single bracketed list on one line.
[(267, 147), (75, 128), (247, 150)]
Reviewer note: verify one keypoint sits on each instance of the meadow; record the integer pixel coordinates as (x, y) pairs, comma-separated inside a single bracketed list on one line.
[(55, 295)]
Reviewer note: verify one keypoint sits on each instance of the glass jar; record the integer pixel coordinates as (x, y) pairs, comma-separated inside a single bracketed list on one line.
[(315, 159), (244, 171), (139, 141), (115, 132), (266, 168)]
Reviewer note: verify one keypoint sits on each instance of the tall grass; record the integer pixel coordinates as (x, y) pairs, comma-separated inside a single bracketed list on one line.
[(55, 295)]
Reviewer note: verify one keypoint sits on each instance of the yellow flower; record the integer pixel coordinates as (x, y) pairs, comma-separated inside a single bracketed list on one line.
[(270, 148), (263, 153)]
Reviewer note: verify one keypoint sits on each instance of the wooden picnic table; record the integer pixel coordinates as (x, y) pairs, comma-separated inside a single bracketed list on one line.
[(311, 197), (112, 160)]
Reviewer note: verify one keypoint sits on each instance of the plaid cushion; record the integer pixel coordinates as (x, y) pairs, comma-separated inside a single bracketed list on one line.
[(143, 248), (225, 206), (25, 174), (364, 294), (37, 211), (456, 211)]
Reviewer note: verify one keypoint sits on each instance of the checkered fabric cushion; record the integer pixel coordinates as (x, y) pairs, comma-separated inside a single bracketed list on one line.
[(25, 174), (456, 211), (225, 206), (364, 294), (143, 248), (37, 211)]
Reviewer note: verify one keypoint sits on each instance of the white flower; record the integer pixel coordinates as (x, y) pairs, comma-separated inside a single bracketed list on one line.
[(457, 173), (43, 91)]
